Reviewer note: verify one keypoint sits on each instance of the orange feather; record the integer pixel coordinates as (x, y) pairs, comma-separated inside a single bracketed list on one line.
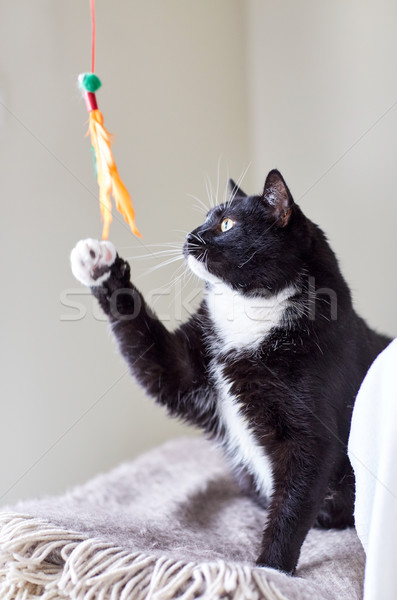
[(109, 181)]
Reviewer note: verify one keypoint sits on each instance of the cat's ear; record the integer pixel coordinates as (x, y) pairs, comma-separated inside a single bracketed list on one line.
[(278, 197), (235, 191)]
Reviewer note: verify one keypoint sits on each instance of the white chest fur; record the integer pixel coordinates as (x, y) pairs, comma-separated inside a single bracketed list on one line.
[(241, 445), (242, 322)]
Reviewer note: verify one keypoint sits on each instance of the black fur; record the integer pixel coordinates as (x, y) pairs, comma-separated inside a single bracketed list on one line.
[(296, 390)]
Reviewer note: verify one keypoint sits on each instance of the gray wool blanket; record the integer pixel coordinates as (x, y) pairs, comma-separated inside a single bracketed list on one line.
[(170, 524)]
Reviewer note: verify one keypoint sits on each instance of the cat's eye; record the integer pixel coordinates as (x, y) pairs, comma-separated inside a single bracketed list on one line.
[(226, 224)]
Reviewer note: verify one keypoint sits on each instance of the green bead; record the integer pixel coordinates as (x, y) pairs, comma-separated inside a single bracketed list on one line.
[(89, 82)]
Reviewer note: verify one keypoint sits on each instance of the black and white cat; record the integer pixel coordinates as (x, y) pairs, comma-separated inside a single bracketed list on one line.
[(270, 364)]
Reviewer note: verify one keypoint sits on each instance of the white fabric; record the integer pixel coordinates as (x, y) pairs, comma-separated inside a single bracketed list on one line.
[(373, 453)]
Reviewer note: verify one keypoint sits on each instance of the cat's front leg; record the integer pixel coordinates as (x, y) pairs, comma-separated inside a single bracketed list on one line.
[(171, 366)]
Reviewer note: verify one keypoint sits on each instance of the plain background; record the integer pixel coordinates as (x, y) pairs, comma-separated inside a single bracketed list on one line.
[(191, 89)]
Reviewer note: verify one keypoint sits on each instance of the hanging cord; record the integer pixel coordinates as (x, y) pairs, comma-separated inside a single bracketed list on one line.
[(108, 178), (93, 36)]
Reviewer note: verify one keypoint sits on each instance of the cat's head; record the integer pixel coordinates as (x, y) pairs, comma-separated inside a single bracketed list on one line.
[(254, 244)]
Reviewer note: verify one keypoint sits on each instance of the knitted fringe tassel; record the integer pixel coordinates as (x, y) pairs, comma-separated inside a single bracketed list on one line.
[(38, 560)]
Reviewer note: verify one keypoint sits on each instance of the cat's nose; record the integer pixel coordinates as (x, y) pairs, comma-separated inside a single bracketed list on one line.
[(190, 238)]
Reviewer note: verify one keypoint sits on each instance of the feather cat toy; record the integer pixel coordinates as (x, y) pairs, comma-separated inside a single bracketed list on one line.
[(109, 181)]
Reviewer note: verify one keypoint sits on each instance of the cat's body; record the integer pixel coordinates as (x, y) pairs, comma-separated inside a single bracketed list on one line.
[(270, 364)]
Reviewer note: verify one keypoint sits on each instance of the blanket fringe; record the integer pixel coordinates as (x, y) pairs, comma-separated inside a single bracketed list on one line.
[(38, 560)]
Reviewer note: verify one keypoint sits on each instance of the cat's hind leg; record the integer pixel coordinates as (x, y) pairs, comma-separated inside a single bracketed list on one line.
[(337, 510)]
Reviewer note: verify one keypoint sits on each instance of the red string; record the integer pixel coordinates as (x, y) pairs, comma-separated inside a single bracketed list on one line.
[(93, 36)]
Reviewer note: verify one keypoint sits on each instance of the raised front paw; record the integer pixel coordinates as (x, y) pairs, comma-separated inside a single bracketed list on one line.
[(91, 261)]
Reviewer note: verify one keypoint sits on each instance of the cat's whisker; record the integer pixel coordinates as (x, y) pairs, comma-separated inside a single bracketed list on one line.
[(192, 244), (210, 191), (198, 237), (169, 285), (238, 184), (217, 178), (165, 263), (178, 272), (158, 245), (170, 249), (166, 256), (207, 190), (182, 273), (160, 265), (205, 208), (167, 289), (199, 209), (187, 275), (164, 247), (155, 254), (170, 245), (162, 244), (203, 255), (248, 259), (226, 191)]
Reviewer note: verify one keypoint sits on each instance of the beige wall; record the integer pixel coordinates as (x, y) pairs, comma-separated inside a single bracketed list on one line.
[(173, 93), (283, 84), (323, 99)]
